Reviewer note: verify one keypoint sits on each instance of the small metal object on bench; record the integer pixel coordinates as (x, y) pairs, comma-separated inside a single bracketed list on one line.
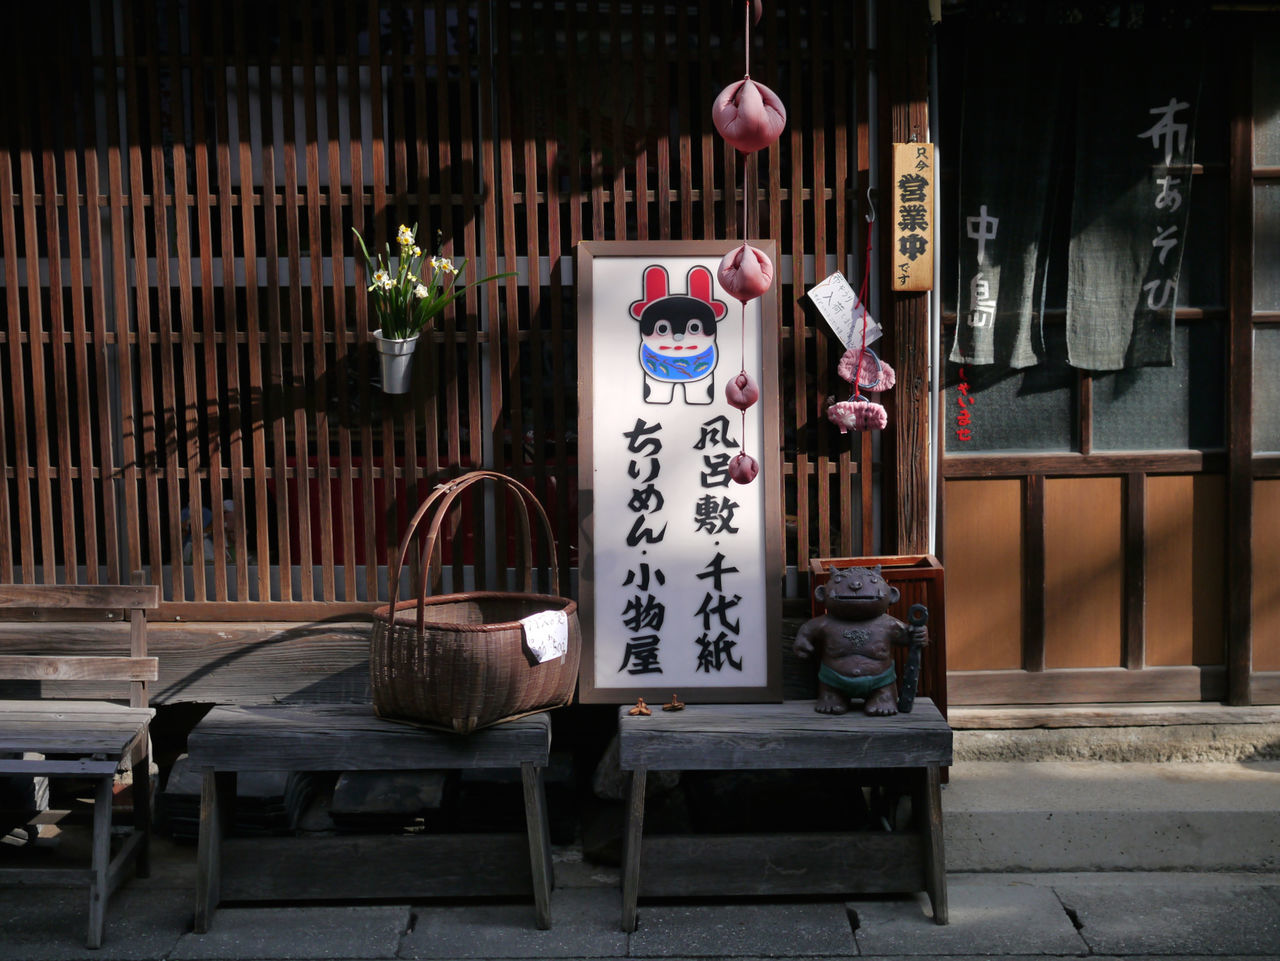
[(350, 737), (731, 737), (42, 737)]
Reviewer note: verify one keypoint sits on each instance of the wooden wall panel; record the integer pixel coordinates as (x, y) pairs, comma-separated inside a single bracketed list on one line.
[(1084, 572), (1266, 575), (1184, 557), (984, 575)]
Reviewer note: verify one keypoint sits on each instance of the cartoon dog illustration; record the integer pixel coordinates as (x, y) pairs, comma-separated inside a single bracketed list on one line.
[(678, 337)]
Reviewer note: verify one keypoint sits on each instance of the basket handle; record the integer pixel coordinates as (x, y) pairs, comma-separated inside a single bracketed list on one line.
[(441, 501)]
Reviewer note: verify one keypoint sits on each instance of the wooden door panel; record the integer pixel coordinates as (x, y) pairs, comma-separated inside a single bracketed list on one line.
[(1266, 575), (1084, 572), (984, 574), (1184, 558)]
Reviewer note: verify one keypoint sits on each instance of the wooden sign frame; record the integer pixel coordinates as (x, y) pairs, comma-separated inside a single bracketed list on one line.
[(914, 234), (711, 627)]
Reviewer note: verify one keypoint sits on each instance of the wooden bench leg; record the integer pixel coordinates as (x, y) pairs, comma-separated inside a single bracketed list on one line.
[(217, 800), (99, 889), (633, 831), (935, 860), (535, 815), (142, 809)]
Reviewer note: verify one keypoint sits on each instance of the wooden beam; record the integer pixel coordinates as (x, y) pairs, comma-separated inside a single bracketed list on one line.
[(37, 668), (1135, 571), (1239, 533), (1086, 685), (1033, 573), (904, 92)]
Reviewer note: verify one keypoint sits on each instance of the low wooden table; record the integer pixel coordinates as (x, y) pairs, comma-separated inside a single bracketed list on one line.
[(733, 737), (350, 737)]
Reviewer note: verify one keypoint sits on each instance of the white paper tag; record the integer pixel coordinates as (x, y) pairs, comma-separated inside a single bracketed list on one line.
[(839, 306), (547, 634)]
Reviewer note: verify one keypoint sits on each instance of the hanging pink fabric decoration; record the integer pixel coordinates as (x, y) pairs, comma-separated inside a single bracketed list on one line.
[(746, 272), (742, 391), (743, 469), (872, 372), (748, 115), (857, 414)]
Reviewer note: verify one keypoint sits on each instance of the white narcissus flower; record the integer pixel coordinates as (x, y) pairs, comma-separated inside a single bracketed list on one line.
[(381, 279), (417, 251), (420, 291), (388, 282), (443, 263), (405, 236)]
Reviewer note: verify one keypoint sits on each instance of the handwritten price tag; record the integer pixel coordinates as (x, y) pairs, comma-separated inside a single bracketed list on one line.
[(839, 306), (546, 634)]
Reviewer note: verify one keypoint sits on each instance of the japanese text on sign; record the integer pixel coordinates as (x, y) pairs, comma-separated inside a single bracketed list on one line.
[(678, 549), (1168, 137), (913, 190)]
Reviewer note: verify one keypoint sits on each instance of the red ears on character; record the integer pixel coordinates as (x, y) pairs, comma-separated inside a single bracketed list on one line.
[(656, 287)]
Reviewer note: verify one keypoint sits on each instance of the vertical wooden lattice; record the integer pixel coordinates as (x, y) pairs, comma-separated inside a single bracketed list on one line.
[(185, 359)]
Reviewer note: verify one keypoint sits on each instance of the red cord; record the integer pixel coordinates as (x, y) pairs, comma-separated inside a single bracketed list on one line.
[(862, 299)]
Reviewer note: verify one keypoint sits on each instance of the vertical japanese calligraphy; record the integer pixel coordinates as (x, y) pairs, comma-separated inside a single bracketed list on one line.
[(964, 419), (675, 584), (913, 189)]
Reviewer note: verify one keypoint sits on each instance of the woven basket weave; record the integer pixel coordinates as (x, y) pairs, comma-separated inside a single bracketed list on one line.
[(459, 661)]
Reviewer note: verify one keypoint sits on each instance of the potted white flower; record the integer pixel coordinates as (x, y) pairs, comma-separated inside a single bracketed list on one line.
[(406, 295)]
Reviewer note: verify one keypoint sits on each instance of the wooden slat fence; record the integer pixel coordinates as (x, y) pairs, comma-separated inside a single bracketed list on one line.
[(187, 383)]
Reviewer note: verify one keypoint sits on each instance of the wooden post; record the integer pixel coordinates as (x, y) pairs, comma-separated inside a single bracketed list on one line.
[(1239, 560), (904, 90)]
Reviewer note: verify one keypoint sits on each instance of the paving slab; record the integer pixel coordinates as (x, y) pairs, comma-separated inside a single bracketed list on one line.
[(296, 933), (753, 930), (987, 918), (585, 923), (49, 924), (1174, 918)]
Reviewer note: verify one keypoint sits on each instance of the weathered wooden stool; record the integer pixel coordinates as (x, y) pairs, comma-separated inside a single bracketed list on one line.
[(732, 737), (350, 737)]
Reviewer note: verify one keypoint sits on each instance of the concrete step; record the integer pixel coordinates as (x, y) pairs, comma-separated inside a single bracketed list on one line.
[(1112, 732), (1058, 815)]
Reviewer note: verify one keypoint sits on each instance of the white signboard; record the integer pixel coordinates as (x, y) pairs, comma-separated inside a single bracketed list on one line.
[(680, 572)]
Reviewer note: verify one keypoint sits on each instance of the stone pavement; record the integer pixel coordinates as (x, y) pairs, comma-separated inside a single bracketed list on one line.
[(1100, 915)]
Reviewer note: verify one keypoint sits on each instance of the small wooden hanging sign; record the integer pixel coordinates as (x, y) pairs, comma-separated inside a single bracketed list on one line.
[(913, 234)]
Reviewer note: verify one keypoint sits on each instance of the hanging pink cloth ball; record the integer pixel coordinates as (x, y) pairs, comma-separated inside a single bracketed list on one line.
[(748, 115), (741, 391), (745, 272), (743, 469)]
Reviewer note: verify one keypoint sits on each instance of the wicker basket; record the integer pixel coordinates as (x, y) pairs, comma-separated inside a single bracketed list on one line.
[(459, 661)]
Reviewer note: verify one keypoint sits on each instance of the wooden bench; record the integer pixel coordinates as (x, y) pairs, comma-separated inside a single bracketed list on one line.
[(42, 737), (731, 737), (350, 737)]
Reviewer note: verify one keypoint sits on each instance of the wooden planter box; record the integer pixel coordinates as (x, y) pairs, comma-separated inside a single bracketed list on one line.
[(919, 579)]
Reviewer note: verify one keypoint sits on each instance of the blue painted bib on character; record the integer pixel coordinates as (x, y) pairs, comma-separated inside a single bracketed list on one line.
[(677, 370)]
